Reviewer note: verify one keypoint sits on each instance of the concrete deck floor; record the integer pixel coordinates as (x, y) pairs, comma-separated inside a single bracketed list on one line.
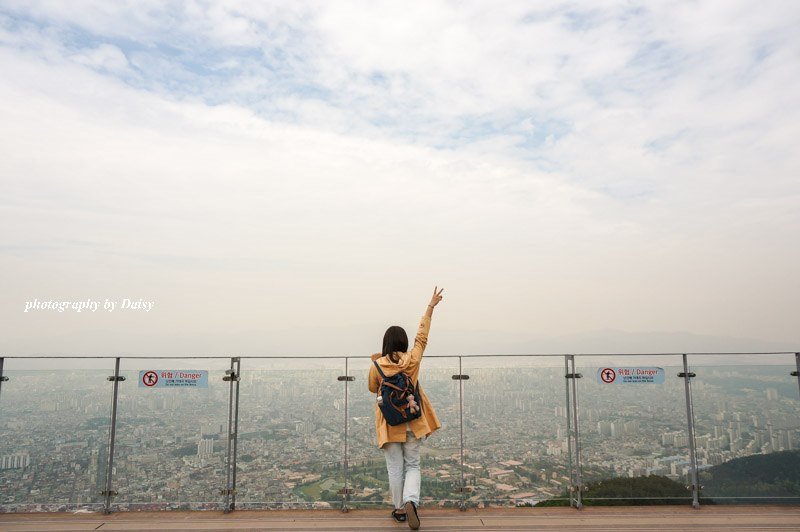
[(630, 519)]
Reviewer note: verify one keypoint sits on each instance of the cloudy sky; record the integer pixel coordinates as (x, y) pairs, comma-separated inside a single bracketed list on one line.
[(293, 177)]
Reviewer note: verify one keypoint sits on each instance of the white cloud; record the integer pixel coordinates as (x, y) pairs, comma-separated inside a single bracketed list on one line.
[(624, 166), (104, 57)]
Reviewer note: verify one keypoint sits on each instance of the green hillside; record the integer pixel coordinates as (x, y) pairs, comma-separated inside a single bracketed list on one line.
[(762, 475), (623, 491)]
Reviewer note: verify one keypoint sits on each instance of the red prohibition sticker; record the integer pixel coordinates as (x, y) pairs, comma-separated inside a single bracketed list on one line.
[(608, 375), (150, 378)]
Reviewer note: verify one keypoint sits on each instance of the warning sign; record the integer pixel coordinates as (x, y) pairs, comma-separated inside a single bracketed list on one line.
[(638, 375), (150, 378), (608, 375), (173, 378)]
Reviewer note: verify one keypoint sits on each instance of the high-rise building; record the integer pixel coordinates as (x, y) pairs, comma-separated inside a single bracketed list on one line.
[(209, 429), (605, 428), (771, 442), (676, 438), (631, 427), (772, 394), (784, 440), (15, 461), (205, 448)]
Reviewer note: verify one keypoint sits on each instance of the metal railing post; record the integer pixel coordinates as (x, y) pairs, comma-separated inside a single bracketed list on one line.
[(3, 378), (573, 377), (462, 489), (231, 376), (795, 373), (108, 493), (687, 382), (235, 431), (346, 490), (567, 414), (346, 435)]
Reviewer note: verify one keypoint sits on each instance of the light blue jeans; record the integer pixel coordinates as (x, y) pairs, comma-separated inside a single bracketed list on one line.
[(402, 463)]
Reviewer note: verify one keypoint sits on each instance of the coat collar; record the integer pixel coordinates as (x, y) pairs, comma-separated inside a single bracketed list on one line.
[(390, 368)]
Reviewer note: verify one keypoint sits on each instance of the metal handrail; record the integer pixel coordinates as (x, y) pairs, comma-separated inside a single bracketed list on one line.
[(333, 357)]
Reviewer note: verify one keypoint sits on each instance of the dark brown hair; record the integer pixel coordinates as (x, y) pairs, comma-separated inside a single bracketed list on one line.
[(394, 340)]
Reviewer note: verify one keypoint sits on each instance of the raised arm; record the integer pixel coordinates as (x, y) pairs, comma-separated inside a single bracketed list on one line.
[(421, 340)]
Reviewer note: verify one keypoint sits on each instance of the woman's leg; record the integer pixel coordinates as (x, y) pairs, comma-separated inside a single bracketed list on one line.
[(393, 452), (411, 484)]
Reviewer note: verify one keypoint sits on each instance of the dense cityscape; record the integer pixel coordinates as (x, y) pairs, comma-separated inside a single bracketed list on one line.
[(171, 443)]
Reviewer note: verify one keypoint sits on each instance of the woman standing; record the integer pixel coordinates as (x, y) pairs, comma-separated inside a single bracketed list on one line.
[(401, 443)]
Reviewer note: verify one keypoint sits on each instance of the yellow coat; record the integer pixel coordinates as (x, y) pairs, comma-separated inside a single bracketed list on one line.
[(409, 363)]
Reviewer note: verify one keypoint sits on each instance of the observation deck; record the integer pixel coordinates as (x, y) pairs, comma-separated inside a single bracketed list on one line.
[(288, 443), (665, 518)]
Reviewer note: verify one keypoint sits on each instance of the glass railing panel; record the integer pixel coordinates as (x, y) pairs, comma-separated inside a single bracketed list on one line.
[(54, 426), (291, 433), (747, 411), (633, 430), (171, 437), (440, 453), (515, 430)]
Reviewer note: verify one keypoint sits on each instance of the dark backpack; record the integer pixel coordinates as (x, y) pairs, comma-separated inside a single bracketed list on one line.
[(393, 396)]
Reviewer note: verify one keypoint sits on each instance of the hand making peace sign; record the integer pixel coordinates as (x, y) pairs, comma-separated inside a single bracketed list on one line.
[(436, 296)]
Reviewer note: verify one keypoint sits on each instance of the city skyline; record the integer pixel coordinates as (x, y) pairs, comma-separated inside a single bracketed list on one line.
[(291, 428)]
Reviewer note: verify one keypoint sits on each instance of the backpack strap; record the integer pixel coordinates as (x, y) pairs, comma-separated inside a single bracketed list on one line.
[(379, 369)]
